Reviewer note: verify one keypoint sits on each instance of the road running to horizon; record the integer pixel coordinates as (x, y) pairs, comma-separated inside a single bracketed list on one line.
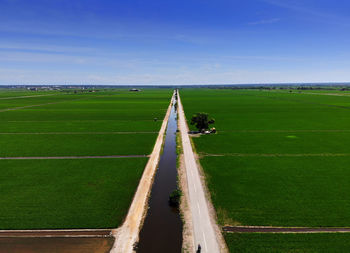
[(203, 228)]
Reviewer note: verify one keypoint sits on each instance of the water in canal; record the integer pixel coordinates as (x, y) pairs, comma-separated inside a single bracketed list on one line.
[(162, 229)]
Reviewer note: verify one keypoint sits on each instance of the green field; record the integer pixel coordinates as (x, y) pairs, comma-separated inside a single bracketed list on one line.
[(82, 193), (278, 159), (76, 144), (292, 243), (280, 191), (94, 193)]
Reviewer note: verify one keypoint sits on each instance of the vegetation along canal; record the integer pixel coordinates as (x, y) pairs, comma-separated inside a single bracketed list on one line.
[(162, 229)]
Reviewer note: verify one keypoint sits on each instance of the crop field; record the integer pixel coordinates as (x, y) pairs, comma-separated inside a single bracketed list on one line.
[(78, 192), (279, 243), (279, 159)]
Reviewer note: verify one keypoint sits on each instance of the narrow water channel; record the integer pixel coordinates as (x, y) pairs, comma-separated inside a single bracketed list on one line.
[(162, 229)]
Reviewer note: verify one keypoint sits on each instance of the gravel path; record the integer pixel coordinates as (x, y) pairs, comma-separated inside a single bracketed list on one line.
[(203, 226)]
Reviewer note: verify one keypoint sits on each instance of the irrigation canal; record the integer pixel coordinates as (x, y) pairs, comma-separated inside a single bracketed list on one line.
[(162, 228)]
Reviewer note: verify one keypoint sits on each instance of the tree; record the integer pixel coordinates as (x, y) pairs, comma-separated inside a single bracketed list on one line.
[(174, 198), (201, 121)]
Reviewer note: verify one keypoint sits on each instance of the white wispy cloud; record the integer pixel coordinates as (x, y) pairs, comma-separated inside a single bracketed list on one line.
[(313, 12), (265, 21), (45, 48)]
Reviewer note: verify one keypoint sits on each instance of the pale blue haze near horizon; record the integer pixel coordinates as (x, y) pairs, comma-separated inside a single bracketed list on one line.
[(174, 42)]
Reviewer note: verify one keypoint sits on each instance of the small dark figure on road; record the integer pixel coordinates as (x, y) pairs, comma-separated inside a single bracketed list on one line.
[(199, 249)]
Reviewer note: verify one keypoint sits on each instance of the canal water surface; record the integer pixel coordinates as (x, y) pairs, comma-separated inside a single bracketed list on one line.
[(162, 229)]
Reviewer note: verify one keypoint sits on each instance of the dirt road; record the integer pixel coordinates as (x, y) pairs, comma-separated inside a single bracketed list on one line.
[(203, 226)]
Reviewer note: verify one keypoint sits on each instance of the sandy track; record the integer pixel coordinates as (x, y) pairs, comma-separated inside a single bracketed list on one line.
[(69, 157), (205, 230), (127, 235), (258, 229)]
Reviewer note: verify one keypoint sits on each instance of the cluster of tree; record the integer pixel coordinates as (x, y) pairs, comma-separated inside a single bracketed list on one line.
[(201, 121)]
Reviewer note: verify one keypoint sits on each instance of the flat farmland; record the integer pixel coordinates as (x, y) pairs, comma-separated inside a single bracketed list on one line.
[(76, 144), (280, 191), (74, 193), (279, 158), (278, 243), (15, 93), (82, 193)]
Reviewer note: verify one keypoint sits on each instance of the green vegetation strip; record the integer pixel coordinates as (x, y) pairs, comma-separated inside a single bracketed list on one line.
[(280, 191), (76, 145)]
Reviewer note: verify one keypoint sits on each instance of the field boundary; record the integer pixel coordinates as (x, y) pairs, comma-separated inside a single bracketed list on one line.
[(127, 235), (5, 98), (288, 131), (70, 157), (266, 229), (274, 155), (77, 133), (37, 105), (57, 233)]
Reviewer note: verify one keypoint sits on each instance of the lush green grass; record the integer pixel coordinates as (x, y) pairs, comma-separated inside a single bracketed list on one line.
[(93, 193), (76, 144), (80, 126), (254, 110), (105, 111), (291, 243), (37, 100), (278, 191), (110, 111), (274, 142), (10, 93), (84, 193)]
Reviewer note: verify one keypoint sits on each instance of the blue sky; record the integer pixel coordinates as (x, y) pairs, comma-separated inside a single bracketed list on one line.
[(174, 42)]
